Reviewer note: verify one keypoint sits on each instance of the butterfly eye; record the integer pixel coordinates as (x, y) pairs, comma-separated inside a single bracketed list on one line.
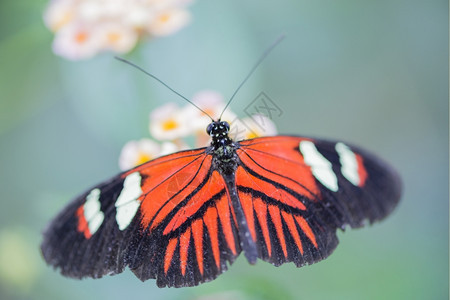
[(226, 125), (209, 129)]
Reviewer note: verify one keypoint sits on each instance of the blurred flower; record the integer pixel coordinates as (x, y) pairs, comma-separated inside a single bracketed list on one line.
[(135, 153), (208, 100), (117, 38), (59, 14), (252, 127), (212, 103), (84, 28), (75, 42), (168, 22), (18, 260), (168, 123), (177, 127)]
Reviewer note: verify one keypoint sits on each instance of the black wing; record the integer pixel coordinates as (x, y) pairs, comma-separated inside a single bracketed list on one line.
[(296, 192)]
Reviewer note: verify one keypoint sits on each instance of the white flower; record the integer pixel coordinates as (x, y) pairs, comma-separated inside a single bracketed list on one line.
[(59, 14), (135, 153), (118, 38), (75, 41), (213, 104), (138, 18), (89, 11), (169, 148), (255, 126), (168, 123), (168, 22), (124, 22), (210, 102)]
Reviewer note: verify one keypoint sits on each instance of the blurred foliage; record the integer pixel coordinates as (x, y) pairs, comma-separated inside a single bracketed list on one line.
[(372, 73)]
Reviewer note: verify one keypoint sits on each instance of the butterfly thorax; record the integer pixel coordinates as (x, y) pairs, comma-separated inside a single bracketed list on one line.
[(222, 147)]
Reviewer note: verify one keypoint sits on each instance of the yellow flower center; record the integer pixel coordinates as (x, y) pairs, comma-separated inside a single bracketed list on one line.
[(252, 135), (164, 18), (81, 37), (169, 125), (113, 37), (210, 112), (143, 158)]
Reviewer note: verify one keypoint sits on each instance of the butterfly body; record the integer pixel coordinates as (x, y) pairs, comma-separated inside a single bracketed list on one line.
[(183, 218)]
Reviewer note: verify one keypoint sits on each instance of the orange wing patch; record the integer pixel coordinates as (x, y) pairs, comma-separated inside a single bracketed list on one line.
[(261, 213), (362, 172), (197, 233), (248, 180), (293, 230), (274, 188), (169, 254), (280, 160), (184, 247), (205, 222), (247, 207), (167, 182), (82, 223), (194, 201), (276, 219), (306, 229), (210, 219)]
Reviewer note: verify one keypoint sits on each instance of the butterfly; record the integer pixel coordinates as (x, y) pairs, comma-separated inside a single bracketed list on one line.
[(184, 218)]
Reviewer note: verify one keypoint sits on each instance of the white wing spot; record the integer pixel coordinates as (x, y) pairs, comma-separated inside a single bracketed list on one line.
[(127, 203), (320, 166), (349, 164), (92, 211)]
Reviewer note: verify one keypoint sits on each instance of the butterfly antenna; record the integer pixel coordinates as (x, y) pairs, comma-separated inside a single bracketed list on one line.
[(260, 60), (162, 82)]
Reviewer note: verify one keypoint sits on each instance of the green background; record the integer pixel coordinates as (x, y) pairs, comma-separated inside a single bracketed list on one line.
[(374, 73)]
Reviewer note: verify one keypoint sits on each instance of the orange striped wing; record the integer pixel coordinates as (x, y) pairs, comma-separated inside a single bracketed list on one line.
[(291, 205), (168, 219), (183, 218), (188, 231)]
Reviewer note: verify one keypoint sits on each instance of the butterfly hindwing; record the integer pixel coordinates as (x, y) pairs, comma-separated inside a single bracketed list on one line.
[(297, 191)]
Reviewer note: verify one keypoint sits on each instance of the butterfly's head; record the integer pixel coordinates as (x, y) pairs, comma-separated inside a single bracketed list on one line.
[(218, 129)]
